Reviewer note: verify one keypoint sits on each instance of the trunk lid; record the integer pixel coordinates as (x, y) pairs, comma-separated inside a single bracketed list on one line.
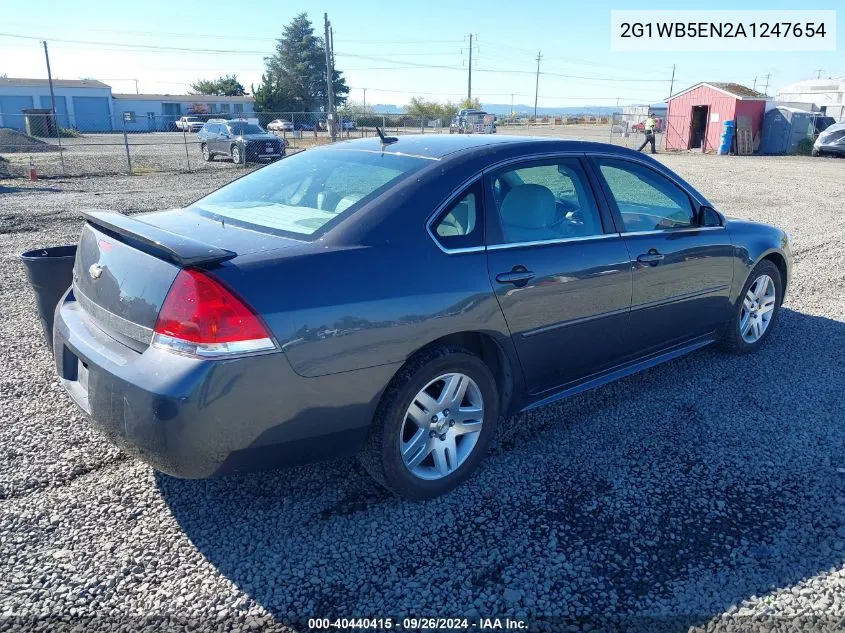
[(126, 265)]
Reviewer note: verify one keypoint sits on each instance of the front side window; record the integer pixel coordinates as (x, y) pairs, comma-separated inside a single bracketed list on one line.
[(460, 225), (544, 201), (303, 193), (646, 200)]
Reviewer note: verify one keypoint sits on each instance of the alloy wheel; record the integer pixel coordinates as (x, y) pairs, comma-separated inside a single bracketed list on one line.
[(758, 306), (441, 426)]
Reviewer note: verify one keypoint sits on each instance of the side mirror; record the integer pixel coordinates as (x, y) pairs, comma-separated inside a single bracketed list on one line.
[(707, 216)]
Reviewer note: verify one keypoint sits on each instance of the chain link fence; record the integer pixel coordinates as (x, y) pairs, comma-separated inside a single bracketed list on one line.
[(133, 143)]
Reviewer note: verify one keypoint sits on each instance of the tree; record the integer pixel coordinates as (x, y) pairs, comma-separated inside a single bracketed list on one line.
[(226, 86), (431, 109), (354, 109), (294, 79), (468, 104)]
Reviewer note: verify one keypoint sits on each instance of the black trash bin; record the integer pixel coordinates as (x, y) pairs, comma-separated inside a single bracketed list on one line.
[(50, 272)]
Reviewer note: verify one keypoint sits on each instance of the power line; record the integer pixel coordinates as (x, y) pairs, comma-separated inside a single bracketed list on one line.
[(160, 48)]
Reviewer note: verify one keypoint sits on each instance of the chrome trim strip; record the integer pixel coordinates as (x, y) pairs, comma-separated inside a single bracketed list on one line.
[(578, 321), (441, 207), (691, 229), (211, 350), (563, 240), (111, 320), (683, 297)]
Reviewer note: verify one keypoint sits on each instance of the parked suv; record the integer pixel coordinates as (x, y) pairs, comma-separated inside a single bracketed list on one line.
[(243, 141)]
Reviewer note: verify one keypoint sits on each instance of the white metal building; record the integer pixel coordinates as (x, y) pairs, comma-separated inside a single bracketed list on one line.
[(158, 112), (89, 105), (827, 94)]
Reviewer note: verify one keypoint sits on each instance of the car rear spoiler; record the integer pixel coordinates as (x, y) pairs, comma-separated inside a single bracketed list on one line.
[(179, 249)]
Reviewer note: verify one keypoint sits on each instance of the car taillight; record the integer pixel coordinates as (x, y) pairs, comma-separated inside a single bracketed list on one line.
[(201, 317)]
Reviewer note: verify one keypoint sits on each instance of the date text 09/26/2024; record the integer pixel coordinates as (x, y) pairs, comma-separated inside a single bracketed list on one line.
[(418, 624)]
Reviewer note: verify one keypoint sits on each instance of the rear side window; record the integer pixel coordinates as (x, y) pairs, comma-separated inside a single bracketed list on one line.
[(305, 192), (646, 200), (460, 224)]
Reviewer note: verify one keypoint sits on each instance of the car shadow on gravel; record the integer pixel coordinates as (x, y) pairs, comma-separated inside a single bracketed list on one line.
[(683, 493)]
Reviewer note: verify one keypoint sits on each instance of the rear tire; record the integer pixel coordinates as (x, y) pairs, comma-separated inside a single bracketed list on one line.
[(757, 311), (423, 442)]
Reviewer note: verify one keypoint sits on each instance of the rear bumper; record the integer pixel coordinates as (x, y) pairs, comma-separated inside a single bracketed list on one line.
[(196, 418)]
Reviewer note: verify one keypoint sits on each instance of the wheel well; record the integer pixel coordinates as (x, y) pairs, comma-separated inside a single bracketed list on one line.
[(488, 350), (778, 260)]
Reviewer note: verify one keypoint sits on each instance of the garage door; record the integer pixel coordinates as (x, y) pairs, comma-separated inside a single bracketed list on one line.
[(61, 109), (91, 114), (10, 108)]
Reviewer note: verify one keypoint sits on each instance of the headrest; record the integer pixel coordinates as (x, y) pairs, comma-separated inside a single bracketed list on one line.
[(529, 207)]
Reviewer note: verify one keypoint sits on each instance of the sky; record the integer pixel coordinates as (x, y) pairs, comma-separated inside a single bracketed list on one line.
[(393, 50)]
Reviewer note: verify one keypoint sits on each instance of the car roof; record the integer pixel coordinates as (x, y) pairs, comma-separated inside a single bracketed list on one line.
[(438, 146)]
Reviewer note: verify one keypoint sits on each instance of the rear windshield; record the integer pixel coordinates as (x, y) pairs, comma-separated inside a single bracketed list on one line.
[(303, 193)]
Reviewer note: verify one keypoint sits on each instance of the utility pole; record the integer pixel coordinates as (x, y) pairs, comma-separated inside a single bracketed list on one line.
[(819, 73), (53, 107), (365, 99), (50, 79), (754, 87), (672, 81), (766, 89), (329, 77), (469, 76), (137, 92), (511, 112), (537, 84)]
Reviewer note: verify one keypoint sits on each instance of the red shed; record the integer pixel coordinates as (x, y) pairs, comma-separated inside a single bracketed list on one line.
[(696, 115)]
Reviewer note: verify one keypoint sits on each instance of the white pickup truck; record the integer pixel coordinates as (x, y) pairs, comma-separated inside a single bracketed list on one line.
[(189, 124)]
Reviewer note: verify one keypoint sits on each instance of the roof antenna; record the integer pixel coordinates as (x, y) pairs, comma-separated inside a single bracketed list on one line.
[(385, 140)]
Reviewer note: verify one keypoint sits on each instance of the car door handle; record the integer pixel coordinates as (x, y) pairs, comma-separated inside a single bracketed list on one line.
[(652, 257), (515, 277)]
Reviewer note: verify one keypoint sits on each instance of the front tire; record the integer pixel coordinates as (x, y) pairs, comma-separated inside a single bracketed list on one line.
[(237, 157), (206, 153), (757, 311), (433, 425)]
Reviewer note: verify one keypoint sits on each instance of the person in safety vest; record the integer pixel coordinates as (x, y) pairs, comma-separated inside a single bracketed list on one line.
[(650, 123)]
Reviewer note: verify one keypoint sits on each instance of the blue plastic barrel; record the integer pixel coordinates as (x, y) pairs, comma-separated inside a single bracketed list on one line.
[(727, 137)]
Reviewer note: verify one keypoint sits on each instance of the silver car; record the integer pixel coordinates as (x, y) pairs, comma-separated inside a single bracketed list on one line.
[(831, 141)]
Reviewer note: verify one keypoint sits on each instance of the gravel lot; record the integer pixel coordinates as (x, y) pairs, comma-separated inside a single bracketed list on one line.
[(708, 492)]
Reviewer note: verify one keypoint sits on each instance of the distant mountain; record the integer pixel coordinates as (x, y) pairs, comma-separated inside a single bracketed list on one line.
[(519, 108), (387, 108)]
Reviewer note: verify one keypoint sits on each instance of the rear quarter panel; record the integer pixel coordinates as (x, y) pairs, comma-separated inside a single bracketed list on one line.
[(348, 309)]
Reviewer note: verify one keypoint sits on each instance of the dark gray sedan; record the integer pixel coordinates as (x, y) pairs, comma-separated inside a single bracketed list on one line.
[(397, 301)]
